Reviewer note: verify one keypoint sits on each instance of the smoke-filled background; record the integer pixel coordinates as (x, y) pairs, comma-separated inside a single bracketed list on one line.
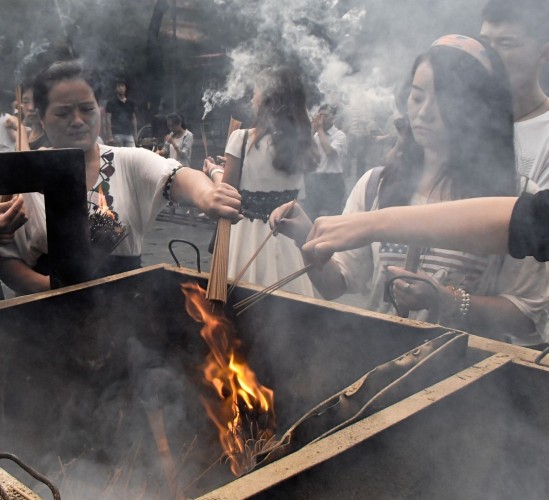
[(200, 58)]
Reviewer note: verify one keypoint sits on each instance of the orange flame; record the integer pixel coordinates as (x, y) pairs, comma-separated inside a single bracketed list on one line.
[(102, 205), (243, 410)]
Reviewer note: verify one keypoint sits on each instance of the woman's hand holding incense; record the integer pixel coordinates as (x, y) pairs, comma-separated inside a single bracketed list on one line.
[(291, 221), (212, 169), (334, 234), (12, 216)]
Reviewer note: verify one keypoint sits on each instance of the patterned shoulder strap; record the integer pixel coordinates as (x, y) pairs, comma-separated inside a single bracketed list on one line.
[(372, 187)]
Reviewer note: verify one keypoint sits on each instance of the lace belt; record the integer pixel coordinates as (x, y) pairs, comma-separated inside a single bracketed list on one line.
[(260, 204)]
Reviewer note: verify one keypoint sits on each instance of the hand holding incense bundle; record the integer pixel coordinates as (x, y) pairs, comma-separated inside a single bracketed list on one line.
[(217, 284)]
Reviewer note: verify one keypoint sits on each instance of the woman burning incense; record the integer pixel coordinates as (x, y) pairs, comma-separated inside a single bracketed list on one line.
[(461, 146), (274, 154), (134, 183)]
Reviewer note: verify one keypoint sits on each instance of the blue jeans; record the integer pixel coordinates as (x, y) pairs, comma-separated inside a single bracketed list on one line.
[(124, 140)]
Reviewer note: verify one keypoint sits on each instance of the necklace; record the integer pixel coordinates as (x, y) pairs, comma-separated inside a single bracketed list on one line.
[(532, 111)]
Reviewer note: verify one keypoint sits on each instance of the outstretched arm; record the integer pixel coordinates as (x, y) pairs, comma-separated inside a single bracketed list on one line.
[(216, 200), (21, 278), (477, 225)]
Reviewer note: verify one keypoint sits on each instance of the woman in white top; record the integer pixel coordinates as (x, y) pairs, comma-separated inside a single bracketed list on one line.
[(461, 146), (135, 182), (277, 152)]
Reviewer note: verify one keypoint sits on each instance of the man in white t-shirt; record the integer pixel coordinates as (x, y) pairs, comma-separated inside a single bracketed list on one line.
[(519, 32), (325, 187)]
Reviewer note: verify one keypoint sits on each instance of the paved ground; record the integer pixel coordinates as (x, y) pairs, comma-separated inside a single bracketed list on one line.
[(169, 227)]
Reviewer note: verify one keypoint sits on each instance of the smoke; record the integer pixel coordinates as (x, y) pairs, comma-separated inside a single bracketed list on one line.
[(323, 39)]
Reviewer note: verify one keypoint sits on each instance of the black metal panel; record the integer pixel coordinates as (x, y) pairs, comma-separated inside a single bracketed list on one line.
[(61, 175)]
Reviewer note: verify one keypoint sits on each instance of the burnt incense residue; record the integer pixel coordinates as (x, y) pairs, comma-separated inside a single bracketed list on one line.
[(106, 231)]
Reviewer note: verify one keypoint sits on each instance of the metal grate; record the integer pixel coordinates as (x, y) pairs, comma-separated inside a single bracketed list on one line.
[(14, 489)]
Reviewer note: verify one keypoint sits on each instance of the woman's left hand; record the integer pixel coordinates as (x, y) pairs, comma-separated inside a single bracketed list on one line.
[(415, 295)]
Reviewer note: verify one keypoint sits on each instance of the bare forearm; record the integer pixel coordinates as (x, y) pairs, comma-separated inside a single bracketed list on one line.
[(328, 280), (21, 278), (192, 186), (490, 316), (476, 225)]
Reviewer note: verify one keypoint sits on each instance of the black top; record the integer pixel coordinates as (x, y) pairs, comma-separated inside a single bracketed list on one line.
[(529, 227), (41, 142), (121, 115)]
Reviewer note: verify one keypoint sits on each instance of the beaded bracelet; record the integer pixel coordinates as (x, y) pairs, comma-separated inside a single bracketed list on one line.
[(168, 186), (465, 302), (462, 299)]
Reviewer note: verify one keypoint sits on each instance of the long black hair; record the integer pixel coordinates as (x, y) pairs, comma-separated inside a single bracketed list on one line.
[(475, 104), (282, 114)]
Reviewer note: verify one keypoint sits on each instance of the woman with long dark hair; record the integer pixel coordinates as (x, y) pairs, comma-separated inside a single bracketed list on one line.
[(461, 146), (277, 151)]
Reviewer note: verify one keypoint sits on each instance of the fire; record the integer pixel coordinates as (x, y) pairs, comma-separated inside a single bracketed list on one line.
[(102, 205), (243, 410)]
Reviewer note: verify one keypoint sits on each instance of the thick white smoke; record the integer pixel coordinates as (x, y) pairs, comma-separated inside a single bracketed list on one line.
[(324, 39)]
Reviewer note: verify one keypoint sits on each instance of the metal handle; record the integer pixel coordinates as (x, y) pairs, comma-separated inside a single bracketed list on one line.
[(35, 474)]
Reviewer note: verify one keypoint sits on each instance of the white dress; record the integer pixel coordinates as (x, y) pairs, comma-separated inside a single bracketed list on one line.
[(265, 188)]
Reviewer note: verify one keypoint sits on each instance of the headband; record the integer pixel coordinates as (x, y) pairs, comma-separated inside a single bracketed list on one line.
[(473, 47)]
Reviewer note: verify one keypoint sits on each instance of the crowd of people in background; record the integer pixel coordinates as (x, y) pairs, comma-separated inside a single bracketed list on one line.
[(472, 122)]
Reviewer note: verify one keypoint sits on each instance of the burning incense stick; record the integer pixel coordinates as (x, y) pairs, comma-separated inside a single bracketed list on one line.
[(204, 140), (256, 253), (256, 297), (217, 284)]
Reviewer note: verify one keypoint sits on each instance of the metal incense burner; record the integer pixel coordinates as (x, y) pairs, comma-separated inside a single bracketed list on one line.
[(82, 366)]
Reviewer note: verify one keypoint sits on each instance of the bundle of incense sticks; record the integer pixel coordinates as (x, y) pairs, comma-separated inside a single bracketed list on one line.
[(217, 284), (106, 233), (245, 304)]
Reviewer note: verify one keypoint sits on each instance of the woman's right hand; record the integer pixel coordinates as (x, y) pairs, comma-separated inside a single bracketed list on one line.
[(12, 217), (291, 220), (337, 233)]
